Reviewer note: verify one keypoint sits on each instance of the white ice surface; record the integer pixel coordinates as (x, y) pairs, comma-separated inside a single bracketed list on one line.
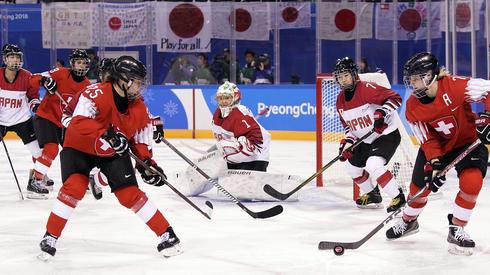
[(103, 237)]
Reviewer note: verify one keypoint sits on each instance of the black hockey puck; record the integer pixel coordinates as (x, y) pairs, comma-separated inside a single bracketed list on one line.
[(338, 250)]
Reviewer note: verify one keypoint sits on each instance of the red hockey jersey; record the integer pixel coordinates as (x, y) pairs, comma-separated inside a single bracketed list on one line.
[(94, 112), (51, 106), (240, 122), (446, 123), (16, 97), (357, 114)]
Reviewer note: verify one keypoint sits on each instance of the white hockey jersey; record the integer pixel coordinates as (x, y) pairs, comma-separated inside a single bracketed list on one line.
[(357, 114), (240, 122), (15, 98)]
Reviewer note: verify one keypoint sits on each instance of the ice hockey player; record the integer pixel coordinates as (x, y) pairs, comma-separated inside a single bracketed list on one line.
[(242, 140), (362, 107), (97, 136), (240, 163), (440, 115), (17, 100), (58, 82), (97, 180)]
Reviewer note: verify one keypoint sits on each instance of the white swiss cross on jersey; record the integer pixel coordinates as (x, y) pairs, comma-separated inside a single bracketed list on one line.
[(445, 126)]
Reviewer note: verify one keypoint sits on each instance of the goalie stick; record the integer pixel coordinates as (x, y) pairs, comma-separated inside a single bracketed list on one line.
[(271, 212), (324, 245), (207, 213), (282, 196)]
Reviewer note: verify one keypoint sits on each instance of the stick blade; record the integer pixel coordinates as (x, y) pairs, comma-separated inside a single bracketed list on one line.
[(271, 212), (326, 245), (274, 193), (209, 211)]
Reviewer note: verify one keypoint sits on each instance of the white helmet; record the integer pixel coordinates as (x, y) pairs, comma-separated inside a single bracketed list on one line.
[(227, 96)]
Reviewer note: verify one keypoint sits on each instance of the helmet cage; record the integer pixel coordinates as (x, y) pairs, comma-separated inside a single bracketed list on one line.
[(80, 71), (13, 65), (427, 78), (354, 75)]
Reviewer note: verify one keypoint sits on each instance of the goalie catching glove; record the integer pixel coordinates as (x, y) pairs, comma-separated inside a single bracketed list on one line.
[(237, 150), (151, 176)]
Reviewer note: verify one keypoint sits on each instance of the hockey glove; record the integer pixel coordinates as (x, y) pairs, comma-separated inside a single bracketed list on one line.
[(237, 150), (117, 141), (344, 153), (34, 104), (49, 84), (379, 121), (431, 169), (157, 124), (483, 127), (152, 177)]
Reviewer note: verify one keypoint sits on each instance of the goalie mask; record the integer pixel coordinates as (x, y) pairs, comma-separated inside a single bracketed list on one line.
[(346, 68), (12, 57), (80, 62), (420, 72), (227, 96), (130, 75)]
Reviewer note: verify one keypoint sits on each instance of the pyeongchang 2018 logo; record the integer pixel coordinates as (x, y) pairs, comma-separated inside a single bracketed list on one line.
[(303, 109)]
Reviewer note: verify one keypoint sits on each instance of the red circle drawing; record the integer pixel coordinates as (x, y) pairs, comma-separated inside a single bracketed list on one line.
[(115, 23), (290, 14), (345, 20), (243, 20), (186, 20), (410, 20), (463, 15)]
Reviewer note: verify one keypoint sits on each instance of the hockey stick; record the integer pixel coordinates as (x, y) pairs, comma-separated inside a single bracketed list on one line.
[(282, 196), (354, 245), (209, 211), (276, 210), (13, 171), (260, 114)]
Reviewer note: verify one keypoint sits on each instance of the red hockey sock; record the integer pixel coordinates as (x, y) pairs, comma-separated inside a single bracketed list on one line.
[(70, 194), (50, 151), (470, 183), (133, 198)]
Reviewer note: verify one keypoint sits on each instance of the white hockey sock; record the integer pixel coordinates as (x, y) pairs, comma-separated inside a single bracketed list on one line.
[(33, 147)]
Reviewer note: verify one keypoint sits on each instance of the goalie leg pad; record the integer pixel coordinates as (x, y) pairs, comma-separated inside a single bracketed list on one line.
[(191, 183), (248, 185)]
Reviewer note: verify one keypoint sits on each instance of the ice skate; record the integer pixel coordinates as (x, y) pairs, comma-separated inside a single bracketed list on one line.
[(371, 200), (397, 202), (48, 247), (169, 244), (459, 241), (36, 188), (402, 229), (48, 183)]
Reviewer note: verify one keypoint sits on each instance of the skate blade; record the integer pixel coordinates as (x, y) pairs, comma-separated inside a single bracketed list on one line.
[(36, 196), (172, 251), (405, 235), (49, 187), (458, 250), (370, 206), (45, 257)]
